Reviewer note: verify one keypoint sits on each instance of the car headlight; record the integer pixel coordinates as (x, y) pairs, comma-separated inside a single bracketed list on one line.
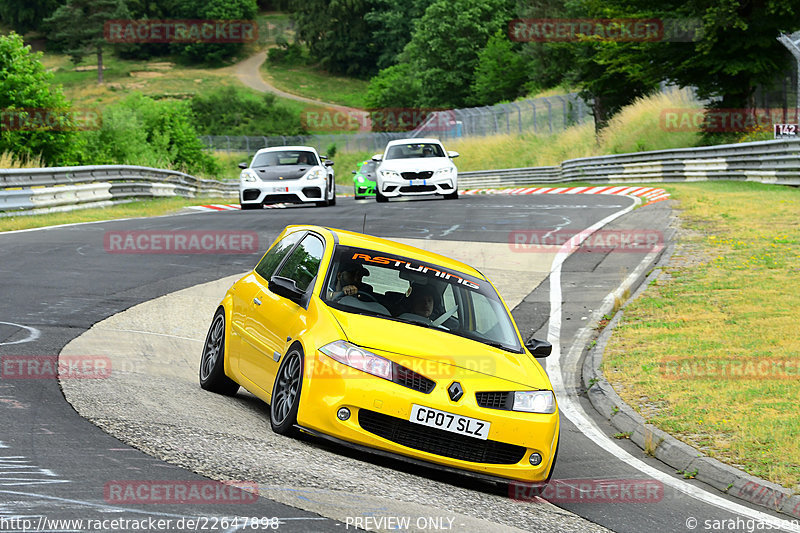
[(538, 401), (390, 174), (249, 175), (315, 174), (361, 179), (444, 171), (358, 358)]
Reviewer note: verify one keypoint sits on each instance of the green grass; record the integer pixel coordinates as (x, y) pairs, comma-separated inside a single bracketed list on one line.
[(141, 208), (728, 298), (311, 82)]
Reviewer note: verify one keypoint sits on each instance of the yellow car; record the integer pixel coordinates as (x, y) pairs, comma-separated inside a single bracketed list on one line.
[(390, 349)]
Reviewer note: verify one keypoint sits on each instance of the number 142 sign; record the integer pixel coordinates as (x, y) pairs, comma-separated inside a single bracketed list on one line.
[(786, 131)]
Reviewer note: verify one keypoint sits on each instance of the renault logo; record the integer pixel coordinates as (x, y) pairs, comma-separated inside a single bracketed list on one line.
[(455, 390)]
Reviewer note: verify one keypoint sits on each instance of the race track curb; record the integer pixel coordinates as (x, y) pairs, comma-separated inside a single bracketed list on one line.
[(683, 458)]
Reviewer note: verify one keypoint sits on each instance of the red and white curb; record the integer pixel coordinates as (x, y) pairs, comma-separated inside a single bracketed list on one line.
[(650, 193)]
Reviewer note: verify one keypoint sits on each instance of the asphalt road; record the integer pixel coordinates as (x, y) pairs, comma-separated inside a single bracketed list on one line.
[(57, 283)]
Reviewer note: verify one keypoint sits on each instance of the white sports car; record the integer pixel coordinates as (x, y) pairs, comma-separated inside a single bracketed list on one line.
[(287, 174), (416, 167)]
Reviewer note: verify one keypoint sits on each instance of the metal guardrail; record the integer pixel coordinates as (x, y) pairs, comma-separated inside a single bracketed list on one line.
[(42, 190), (51, 189), (776, 162)]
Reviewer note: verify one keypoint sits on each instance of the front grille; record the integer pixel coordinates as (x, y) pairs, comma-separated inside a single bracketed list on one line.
[(408, 378), (425, 175), (281, 198), (312, 192), (438, 441), (495, 400), (250, 194), (418, 188)]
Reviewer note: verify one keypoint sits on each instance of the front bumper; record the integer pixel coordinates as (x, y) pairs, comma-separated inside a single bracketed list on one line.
[(393, 187), (363, 189), (282, 191), (380, 412)]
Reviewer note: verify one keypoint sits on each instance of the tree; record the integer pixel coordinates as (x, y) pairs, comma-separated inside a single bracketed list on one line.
[(500, 74), (391, 25), (27, 15), (395, 86), (78, 27), (232, 111), (211, 53), (444, 48), (25, 94)]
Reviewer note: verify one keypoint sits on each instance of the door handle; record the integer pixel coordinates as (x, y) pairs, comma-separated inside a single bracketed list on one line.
[(256, 301)]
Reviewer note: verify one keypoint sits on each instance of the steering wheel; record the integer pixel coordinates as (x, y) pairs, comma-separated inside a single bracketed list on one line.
[(365, 296)]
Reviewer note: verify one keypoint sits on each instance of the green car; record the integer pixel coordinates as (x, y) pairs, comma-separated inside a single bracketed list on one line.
[(364, 179)]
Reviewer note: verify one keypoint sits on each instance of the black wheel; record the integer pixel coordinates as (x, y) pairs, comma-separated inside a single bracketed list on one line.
[(379, 197), (245, 207), (212, 363), (452, 196), (325, 202), (333, 197), (286, 393)]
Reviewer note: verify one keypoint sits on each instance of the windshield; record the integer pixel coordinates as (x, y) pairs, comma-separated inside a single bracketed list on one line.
[(414, 150), (287, 157), (396, 288)]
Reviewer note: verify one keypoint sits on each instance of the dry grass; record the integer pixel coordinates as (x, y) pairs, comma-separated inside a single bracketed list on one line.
[(9, 160), (728, 297)]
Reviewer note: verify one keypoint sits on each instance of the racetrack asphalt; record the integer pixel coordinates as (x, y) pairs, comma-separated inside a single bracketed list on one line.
[(61, 281)]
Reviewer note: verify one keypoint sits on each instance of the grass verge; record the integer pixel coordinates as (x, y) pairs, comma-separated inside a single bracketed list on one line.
[(311, 82), (710, 352), (141, 208)]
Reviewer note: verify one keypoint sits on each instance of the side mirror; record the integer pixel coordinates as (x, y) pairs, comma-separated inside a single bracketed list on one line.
[(285, 287), (243, 165), (452, 155), (354, 172), (377, 157), (539, 349), (328, 163)]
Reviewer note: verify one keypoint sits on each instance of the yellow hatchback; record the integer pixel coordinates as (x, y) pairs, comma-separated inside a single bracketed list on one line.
[(388, 348)]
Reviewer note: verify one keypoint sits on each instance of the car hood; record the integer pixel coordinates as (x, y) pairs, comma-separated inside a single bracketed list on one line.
[(422, 349), (417, 164), (283, 172)]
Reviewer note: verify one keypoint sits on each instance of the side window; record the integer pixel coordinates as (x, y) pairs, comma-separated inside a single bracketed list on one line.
[(303, 263), (266, 267)]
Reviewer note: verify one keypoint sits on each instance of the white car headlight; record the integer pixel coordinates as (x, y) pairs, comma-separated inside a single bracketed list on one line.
[(390, 174), (358, 358), (444, 171), (538, 401), (315, 174), (249, 176)]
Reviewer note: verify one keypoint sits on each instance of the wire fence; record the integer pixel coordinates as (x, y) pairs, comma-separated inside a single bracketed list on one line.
[(545, 115)]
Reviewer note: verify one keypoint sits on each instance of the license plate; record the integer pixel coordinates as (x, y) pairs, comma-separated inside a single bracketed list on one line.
[(463, 425), (417, 182), (280, 189)]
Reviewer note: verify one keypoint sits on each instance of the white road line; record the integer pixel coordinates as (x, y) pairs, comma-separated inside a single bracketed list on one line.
[(33, 334), (572, 409)]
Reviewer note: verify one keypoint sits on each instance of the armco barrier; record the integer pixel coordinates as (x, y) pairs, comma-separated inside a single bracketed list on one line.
[(41, 190), (49, 189)]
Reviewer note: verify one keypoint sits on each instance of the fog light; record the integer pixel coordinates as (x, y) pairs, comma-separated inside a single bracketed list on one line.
[(535, 459), (344, 413)]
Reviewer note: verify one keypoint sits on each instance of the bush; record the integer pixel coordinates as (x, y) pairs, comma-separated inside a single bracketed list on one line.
[(287, 53), (233, 111), (155, 133)]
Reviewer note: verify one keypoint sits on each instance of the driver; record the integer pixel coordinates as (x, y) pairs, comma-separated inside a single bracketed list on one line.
[(348, 281), (421, 303)]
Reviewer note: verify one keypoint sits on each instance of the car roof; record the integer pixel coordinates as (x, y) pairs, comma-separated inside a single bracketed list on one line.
[(283, 148), (413, 141), (360, 240)]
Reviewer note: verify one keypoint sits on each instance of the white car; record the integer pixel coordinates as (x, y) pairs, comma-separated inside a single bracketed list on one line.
[(287, 174), (415, 167)]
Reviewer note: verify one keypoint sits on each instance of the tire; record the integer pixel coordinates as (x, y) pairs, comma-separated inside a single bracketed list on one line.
[(246, 207), (452, 196), (325, 202), (379, 197), (212, 363), (333, 197), (286, 393)]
